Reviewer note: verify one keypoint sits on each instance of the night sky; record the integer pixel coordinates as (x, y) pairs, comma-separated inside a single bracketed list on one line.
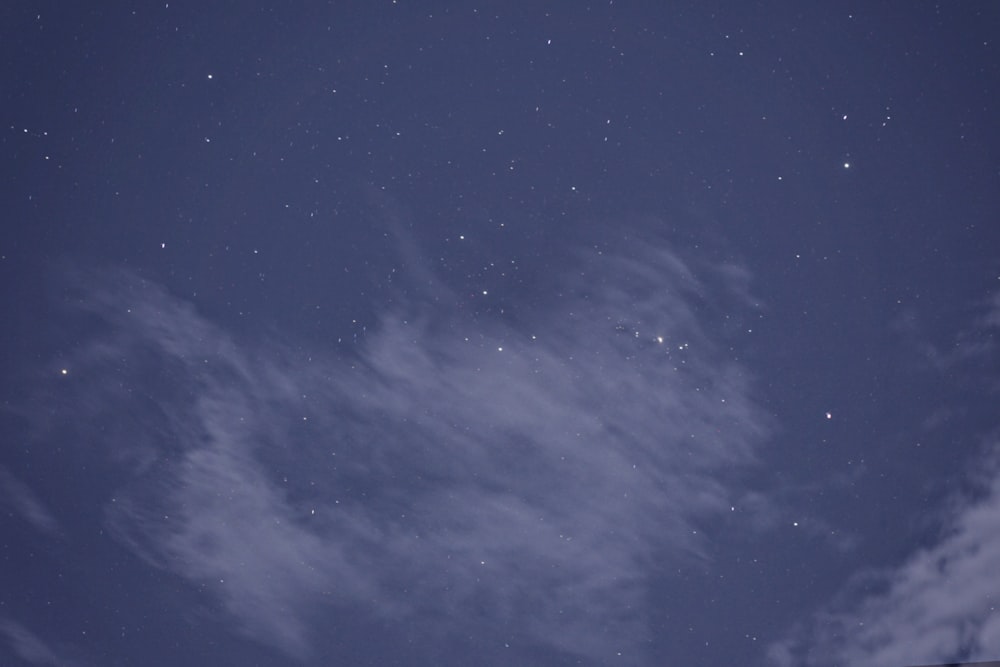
[(499, 333)]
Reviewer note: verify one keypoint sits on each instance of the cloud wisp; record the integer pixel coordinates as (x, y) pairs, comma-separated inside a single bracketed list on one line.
[(28, 646), (27, 504), (941, 605), (468, 476)]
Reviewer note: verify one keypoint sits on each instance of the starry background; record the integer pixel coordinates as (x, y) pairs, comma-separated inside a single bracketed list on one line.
[(499, 333)]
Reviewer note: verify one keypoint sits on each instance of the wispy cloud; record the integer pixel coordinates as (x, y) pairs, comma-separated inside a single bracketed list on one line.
[(941, 605), (991, 318), (970, 346), (27, 504), (28, 646), (531, 477)]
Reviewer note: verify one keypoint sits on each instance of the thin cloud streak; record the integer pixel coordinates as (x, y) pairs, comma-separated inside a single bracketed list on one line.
[(455, 470), (940, 605), (27, 504), (28, 646)]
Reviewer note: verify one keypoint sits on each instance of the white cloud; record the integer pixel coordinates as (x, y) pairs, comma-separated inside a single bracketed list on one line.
[(28, 646), (27, 504), (456, 469), (941, 605)]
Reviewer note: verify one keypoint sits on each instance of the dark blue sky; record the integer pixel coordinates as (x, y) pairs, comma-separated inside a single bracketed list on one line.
[(399, 333)]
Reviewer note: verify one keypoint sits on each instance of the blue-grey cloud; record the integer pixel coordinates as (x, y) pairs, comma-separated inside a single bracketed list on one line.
[(28, 646), (454, 473), (942, 604), (27, 504)]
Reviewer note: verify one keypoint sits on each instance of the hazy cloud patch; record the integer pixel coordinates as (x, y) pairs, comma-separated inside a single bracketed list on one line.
[(27, 504), (941, 605), (28, 646), (523, 480)]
